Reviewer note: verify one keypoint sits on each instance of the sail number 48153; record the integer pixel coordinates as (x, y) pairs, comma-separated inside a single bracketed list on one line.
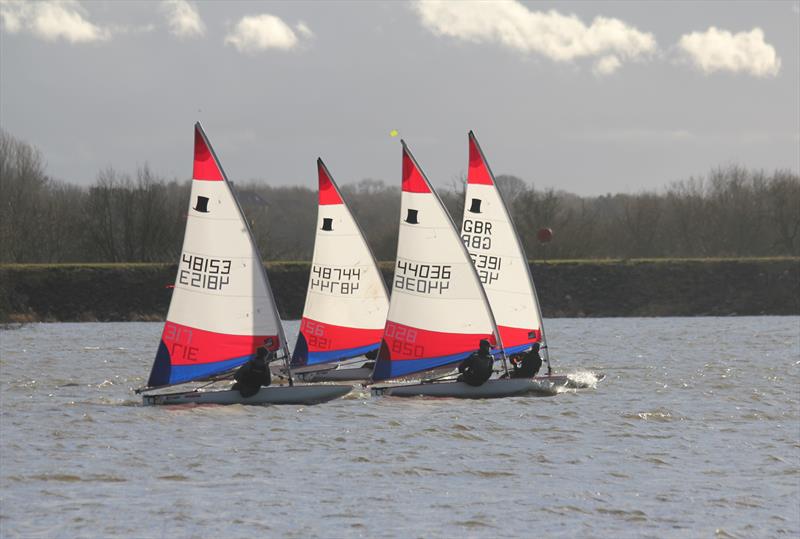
[(204, 272)]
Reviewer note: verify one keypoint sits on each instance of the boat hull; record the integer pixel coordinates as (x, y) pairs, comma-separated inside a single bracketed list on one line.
[(266, 395), (337, 375), (491, 389)]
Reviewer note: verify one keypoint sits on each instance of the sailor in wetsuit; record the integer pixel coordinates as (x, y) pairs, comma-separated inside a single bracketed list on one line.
[(477, 368), (253, 375), (527, 365)]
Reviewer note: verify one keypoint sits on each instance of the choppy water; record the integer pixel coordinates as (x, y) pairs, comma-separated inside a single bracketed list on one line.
[(694, 433)]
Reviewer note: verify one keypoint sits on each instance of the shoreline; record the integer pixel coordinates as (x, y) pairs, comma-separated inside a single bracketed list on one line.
[(566, 289)]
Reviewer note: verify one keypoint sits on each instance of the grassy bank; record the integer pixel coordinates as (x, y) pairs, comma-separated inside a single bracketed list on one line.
[(567, 288)]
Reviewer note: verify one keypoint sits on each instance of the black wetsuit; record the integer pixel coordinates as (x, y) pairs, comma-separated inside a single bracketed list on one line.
[(253, 375), (530, 365), (477, 368)]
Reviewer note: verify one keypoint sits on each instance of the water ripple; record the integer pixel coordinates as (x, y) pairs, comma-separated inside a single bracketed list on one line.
[(695, 443)]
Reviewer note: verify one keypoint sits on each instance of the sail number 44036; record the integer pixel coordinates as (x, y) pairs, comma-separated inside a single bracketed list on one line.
[(204, 272), (422, 278)]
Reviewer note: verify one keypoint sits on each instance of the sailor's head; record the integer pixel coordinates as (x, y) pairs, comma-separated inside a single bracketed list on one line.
[(485, 346), (536, 346)]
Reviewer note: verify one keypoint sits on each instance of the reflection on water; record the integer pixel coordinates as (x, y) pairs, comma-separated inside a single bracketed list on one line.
[(694, 432)]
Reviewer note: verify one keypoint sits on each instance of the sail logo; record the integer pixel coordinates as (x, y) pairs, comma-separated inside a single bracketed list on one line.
[(422, 278), (201, 205), (204, 272), (336, 281)]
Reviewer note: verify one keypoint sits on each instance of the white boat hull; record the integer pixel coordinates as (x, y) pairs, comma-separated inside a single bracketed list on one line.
[(336, 375), (491, 389), (266, 395)]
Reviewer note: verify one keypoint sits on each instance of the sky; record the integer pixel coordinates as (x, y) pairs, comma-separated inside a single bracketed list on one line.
[(586, 97)]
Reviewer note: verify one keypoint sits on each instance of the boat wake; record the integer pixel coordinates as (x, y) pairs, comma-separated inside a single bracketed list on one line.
[(584, 379)]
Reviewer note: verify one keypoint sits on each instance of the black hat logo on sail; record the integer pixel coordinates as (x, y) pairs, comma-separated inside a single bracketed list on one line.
[(201, 205), (327, 224), (476, 206), (411, 218)]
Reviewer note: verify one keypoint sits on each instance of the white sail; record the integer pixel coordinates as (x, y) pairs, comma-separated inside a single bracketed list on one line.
[(222, 307), (491, 239), (438, 311), (346, 301)]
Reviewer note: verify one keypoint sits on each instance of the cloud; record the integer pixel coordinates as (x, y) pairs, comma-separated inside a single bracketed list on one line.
[(720, 50), (561, 38), (51, 21), (606, 65), (257, 33), (183, 19), (303, 29)]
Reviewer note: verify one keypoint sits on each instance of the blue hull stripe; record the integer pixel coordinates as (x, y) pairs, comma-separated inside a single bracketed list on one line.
[(517, 349), (385, 369), (338, 355), (187, 373)]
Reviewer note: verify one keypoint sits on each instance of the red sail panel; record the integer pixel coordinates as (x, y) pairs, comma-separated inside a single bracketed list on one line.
[(328, 193), (413, 180), (478, 172), (205, 166)]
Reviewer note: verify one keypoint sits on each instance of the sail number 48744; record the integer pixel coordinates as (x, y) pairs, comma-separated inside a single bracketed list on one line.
[(333, 280)]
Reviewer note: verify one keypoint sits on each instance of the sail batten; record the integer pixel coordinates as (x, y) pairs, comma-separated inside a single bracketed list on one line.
[(438, 312), (222, 307), (346, 299)]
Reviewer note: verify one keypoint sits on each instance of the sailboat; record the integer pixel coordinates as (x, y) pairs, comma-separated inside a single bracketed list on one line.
[(222, 308), (346, 300), (438, 312), (496, 250)]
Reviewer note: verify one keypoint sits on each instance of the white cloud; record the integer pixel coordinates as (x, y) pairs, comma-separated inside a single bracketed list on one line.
[(303, 29), (51, 21), (183, 18), (256, 33), (561, 38), (606, 65), (720, 50)]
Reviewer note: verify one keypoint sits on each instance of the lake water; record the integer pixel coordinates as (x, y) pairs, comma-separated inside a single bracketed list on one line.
[(695, 432)]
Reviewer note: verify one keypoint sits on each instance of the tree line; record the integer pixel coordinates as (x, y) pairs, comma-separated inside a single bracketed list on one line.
[(140, 217)]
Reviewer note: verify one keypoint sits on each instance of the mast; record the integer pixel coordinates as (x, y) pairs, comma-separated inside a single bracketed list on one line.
[(427, 326), (281, 333), (515, 234), (346, 298), (466, 255), (324, 167)]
